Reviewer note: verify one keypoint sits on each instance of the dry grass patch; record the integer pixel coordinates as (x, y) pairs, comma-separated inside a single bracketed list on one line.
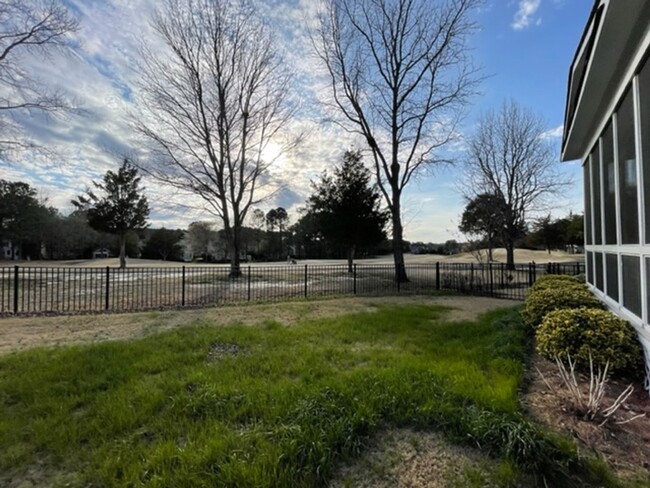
[(405, 458), (19, 333)]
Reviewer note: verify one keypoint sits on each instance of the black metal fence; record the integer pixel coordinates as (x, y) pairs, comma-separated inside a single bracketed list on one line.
[(27, 290)]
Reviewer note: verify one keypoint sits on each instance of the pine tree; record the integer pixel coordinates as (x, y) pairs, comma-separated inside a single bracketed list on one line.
[(346, 207), (121, 209)]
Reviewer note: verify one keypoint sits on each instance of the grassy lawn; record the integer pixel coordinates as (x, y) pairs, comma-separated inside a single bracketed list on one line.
[(272, 405)]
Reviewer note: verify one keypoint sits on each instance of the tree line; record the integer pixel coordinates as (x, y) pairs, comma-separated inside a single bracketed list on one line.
[(342, 218)]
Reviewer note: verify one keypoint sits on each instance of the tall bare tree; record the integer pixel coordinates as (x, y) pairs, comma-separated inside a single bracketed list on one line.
[(509, 156), (211, 103), (28, 28), (401, 74)]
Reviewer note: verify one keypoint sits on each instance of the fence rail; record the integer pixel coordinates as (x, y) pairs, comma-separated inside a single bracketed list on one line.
[(29, 290)]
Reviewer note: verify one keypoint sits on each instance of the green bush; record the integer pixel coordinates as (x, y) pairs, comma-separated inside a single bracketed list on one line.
[(581, 331), (552, 281), (542, 301)]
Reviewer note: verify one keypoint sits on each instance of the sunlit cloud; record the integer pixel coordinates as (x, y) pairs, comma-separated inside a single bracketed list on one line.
[(525, 15)]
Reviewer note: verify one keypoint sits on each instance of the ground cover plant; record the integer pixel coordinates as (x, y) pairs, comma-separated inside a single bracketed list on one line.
[(271, 405)]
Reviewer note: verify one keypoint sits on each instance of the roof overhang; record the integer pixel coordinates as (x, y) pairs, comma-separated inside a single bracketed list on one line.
[(614, 31)]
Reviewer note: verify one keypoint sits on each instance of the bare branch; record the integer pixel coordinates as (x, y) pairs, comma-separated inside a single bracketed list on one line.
[(29, 28), (401, 77), (211, 104), (508, 157)]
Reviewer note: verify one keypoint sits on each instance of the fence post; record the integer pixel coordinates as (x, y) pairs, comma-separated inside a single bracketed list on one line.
[(534, 273), (183, 287), (399, 277), (354, 279), (437, 275), (249, 283), (108, 276), (16, 289), (491, 279), (471, 277), (305, 281)]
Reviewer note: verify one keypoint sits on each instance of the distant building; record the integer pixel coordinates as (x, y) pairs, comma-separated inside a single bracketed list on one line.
[(101, 253), (607, 126), (9, 251)]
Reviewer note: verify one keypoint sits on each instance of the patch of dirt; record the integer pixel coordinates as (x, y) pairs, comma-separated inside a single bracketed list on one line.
[(220, 350), (626, 447), (18, 333), (401, 458)]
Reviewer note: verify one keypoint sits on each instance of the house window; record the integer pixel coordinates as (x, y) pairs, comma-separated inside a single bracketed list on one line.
[(595, 187), (627, 171), (632, 284), (587, 181), (609, 185), (590, 267), (644, 103), (611, 263), (599, 271)]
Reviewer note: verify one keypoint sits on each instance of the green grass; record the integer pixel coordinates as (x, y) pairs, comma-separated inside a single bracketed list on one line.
[(295, 402)]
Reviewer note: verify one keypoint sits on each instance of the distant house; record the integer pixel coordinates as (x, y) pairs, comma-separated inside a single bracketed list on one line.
[(9, 252), (101, 253), (607, 126)]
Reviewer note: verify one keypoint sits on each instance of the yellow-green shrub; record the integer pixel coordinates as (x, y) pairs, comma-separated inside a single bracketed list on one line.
[(553, 281), (545, 300), (577, 332)]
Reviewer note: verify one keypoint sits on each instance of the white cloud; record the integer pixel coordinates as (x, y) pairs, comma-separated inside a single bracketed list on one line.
[(101, 76), (525, 15), (555, 133)]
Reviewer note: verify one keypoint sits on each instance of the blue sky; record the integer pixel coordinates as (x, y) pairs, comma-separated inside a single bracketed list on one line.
[(524, 47)]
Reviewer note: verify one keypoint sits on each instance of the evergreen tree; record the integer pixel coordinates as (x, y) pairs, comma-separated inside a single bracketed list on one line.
[(164, 244), (122, 207), (23, 219), (346, 207), (484, 216)]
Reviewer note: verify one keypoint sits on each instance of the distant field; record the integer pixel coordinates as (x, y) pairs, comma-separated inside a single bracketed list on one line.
[(521, 256)]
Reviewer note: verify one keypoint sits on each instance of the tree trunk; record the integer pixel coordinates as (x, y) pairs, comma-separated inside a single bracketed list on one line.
[(490, 246), (351, 259), (510, 255), (398, 251), (122, 251), (235, 245)]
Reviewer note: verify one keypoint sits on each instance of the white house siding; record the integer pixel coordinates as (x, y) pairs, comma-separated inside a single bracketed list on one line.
[(615, 154)]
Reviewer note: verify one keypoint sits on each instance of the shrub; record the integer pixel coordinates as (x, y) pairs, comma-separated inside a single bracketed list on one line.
[(543, 301), (583, 331), (552, 281)]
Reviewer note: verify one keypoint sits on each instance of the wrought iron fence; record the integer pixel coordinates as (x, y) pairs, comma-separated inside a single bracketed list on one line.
[(26, 289)]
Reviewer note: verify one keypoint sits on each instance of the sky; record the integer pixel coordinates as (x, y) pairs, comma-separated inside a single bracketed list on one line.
[(524, 48)]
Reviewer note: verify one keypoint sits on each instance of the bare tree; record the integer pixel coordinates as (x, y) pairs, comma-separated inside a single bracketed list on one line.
[(28, 28), (509, 157), (401, 74), (211, 103)]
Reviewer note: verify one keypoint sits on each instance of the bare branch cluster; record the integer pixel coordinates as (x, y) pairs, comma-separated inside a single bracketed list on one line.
[(589, 400), (29, 28), (401, 75), (211, 104), (508, 157)]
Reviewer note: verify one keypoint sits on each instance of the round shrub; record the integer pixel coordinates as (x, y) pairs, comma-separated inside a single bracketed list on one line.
[(577, 332), (552, 281), (543, 301)]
